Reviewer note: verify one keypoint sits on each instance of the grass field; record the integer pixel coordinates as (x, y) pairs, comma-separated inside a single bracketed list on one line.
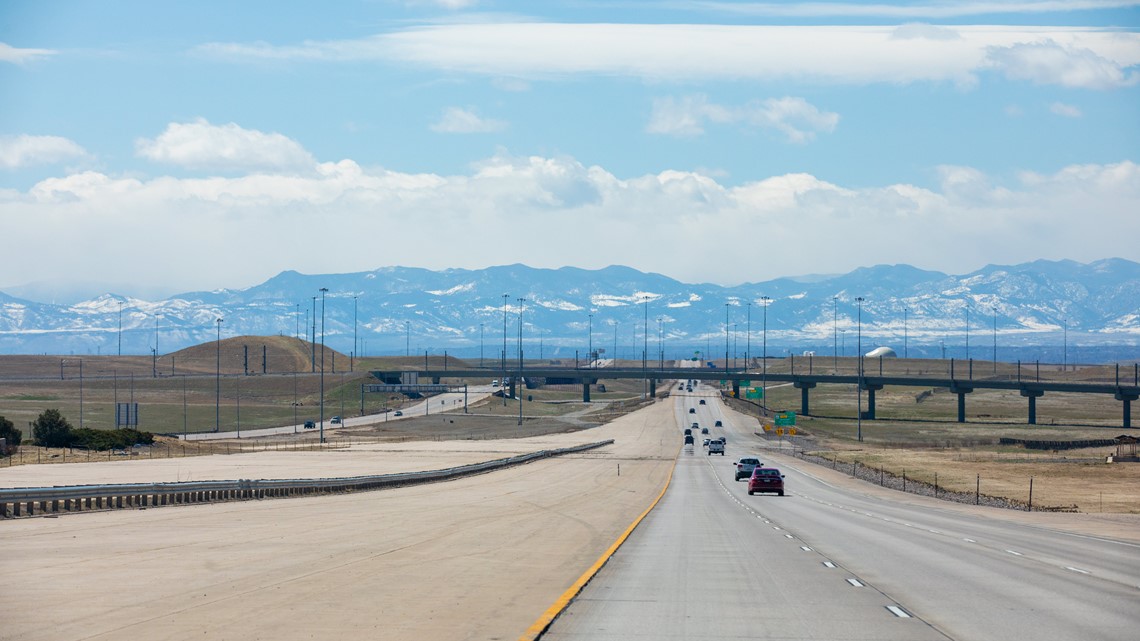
[(268, 381)]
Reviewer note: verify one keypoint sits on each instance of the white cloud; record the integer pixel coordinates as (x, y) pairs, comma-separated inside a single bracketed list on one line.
[(1050, 63), (1069, 56), (492, 215), (1068, 111), (8, 53), (201, 145), (1014, 111), (796, 118), (24, 150), (905, 11), (465, 121)]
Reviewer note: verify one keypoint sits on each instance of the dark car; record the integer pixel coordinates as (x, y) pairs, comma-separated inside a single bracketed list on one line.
[(745, 466), (335, 420), (766, 479), (688, 431), (688, 439), (309, 425), (398, 413), (702, 401), (718, 424), (692, 410), (704, 430)]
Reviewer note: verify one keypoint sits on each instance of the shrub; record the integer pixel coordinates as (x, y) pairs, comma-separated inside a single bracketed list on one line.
[(51, 429), (11, 436), (109, 439)]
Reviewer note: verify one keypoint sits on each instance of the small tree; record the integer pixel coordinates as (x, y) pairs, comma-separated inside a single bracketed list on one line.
[(11, 436), (51, 429)]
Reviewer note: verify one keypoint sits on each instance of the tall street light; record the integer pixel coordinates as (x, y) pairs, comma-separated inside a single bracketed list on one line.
[(726, 308), (994, 308), (835, 332), (313, 341), (748, 339), (324, 290), (645, 345), (355, 340), (859, 386), (218, 380), (905, 310), (590, 342), (764, 300), (660, 344), (519, 382), (504, 357)]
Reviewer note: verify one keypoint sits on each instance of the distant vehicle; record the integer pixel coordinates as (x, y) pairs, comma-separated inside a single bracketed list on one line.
[(696, 425), (309, 425), (716, 447), (495, 383), (745, 466), (702, 401), (766, 479), (688, 389), (704, 430), (335, 420), (688, 431), (688, 439), (692, 410), (706, 443), (399, 413), (718, 424), (681, 386)]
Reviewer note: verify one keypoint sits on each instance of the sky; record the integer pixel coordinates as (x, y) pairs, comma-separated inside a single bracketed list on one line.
[(178, 146)]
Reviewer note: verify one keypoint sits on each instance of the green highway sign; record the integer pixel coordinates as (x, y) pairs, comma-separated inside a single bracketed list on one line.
[(786, 418)]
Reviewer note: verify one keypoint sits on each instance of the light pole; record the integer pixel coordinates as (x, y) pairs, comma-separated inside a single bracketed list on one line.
[(994, 308), (355, 340), (904, 332), (748, 338), (519, 382), (726, 308), (645, 346), (218, 379), (764, 371), (120, 328), (735, 341), (835, 332), (504, 357), (154, 361), (967, 331), (660, 344), (859, 386), (590, 345), (323, 290), (313, 342)]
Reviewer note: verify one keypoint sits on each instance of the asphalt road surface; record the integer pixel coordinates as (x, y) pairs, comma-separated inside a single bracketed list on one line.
[(832, 561)]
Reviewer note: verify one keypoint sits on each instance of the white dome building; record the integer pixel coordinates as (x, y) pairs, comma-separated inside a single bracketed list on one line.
[(881, 352)]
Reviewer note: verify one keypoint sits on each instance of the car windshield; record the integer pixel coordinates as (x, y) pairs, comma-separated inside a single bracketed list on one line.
[(766, 472), (749, 461)]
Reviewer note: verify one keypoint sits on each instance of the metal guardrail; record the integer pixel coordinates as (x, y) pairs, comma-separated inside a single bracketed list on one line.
[(17, 502)]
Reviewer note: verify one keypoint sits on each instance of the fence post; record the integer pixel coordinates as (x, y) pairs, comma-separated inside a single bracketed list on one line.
[(1031, 494), (978, 490), (904, 480), (936, 485)]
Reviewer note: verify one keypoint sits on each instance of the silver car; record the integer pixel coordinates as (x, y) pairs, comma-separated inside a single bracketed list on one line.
[(745, 466)]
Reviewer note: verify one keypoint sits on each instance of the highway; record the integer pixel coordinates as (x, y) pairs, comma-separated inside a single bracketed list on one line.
[(832, 560)]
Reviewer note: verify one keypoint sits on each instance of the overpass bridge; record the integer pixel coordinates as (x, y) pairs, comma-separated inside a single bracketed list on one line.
[(961, 386)]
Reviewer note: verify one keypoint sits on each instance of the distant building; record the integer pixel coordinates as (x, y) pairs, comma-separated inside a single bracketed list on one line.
[(881, 352)]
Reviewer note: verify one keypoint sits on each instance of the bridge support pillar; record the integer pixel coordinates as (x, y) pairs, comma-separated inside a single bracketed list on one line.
[(1127, 399), (586, 391), (653, 388), (1032, 395), (804, 386), (513, 383), (736, 388), (961, 391), (871, 389)]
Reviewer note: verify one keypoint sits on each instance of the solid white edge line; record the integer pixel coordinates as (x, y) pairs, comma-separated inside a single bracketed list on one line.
[(1015, 553), (1078, 570)]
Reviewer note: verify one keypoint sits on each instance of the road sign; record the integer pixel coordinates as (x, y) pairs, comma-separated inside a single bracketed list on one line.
[(792, 431), (786, 418), (745, 383), (779, 431), (755, 392)]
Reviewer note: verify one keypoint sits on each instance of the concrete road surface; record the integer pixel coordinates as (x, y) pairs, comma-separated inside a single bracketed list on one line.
[(831, 561), (477, 558)]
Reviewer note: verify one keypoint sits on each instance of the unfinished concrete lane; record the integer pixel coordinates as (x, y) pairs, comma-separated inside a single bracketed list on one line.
[(475, 558)]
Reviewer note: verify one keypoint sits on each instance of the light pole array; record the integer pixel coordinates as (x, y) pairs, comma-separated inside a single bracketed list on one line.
[(764, 371), (748, 338), (519, 382), (504, 357), (645, 346), (355, 340), (726, 308)]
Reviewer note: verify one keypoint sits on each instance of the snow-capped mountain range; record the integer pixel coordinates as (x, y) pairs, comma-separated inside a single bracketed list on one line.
[(397, 310)]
